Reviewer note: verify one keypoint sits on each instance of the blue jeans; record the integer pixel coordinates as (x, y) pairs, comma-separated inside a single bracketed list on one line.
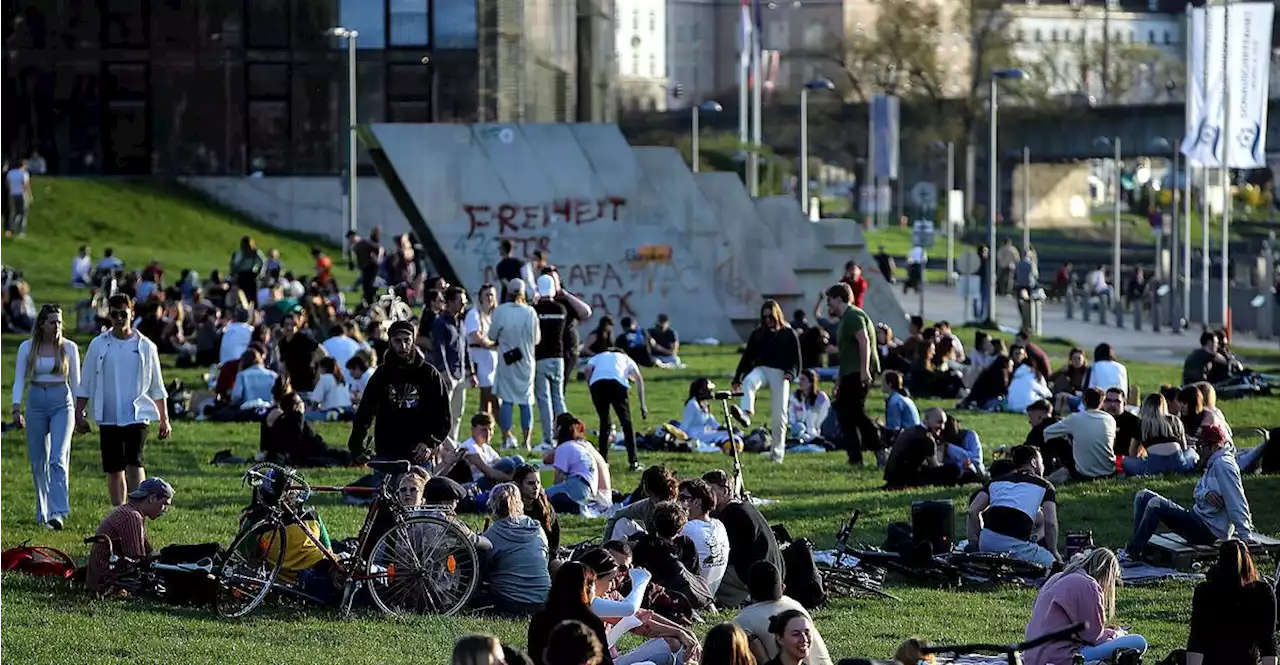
[(1247, 459), (548, 388), (574, 490), (507, 465), (506, 417), (1154, 465), (827, 373), (1108, 649), (990, 541), (1150, 510), (49, 425)]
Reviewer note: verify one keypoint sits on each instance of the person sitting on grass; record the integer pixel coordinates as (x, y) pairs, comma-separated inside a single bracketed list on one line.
[(1205, 363), (583, 484), (536, 504), (964, 450), (726, 644), (807, 409), (1233, 612), (1163, 441), (484, 467), (697, 421), (1220, 503), (668, 643), (672, 557), (665, 342), (285, 436), (751, 539), (252, 389), (568, 601), (517, 565), (478, 650), (1002, 517), (793, 632), (1084, 442), (916, 459), (707, 533), (1084, 592), (331, 399), (126, 527), (900, 412), (571, 643), (659, 484), (757, 619)]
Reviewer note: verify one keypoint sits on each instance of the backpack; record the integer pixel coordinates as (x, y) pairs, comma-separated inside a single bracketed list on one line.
[(803, 579), (37, 560)]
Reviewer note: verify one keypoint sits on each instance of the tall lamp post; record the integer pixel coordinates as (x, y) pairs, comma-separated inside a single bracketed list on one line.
[(993, 162), (1175, 255), (816, 84), (350, 35), (1114, 142), (950, 148), (709, 107)]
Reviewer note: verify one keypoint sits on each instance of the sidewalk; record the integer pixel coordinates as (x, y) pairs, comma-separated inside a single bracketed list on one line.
[(944, 303)]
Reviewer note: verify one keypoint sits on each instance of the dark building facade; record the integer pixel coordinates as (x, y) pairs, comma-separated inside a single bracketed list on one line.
[(237, 86)]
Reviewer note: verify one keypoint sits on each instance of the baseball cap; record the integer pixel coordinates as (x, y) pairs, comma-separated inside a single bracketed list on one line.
[(546, 286), (154, 485), (516, 286)]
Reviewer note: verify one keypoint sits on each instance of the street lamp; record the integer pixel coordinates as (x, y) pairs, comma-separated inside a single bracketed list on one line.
[(993, 160), (1180, 260), (350, 35), (950, 148), (1115, 235), (816, 84), (709, 107)]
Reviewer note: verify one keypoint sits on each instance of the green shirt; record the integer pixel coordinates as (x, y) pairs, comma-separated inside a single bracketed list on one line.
[(853, 321)]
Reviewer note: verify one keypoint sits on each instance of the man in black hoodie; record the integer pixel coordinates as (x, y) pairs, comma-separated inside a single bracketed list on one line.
[(409, 400)]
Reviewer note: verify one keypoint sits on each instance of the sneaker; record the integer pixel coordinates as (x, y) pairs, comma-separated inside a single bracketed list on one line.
[(54, 523), (509, 443), (743, 420), (635, 467)]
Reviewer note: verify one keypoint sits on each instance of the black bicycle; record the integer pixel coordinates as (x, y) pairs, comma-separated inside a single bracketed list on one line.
[(1011, 652)]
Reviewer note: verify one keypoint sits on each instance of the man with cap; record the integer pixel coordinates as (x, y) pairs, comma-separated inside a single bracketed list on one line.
[(126, 527), (548, 379), (765, 583), (514, 328), (665, 342), (409, 400)]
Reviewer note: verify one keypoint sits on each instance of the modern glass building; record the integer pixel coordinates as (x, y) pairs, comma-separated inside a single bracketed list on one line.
[(237, 86)]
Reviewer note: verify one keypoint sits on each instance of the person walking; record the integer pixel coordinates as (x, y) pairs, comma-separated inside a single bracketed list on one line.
[(482, 351), (449, 354), (368, 254), (48, 366), (548, 381), (121, 377), (514, 327), (18, 182), (609, 377), (859, 363), (772, 358)]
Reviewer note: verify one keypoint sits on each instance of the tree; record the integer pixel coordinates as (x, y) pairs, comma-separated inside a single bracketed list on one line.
[(1107, 72)]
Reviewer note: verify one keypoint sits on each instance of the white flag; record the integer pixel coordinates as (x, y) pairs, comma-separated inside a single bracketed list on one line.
[(1244, 61), (1195, 85)]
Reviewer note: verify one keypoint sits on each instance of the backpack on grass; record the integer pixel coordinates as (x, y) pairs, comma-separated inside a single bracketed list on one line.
[(37, 560)]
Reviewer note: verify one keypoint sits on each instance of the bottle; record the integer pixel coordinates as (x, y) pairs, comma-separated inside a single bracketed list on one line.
[(1077, 660)]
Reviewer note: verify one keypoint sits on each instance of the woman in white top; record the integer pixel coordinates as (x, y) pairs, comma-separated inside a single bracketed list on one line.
[(483, 352), (668, 643), (1026, 387), (331, 399), (808, 409), (1106, 371), (514, 329), (698, 422), (48, 368)]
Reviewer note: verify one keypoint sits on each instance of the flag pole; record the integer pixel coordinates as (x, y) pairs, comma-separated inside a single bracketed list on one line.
[(1226, 165), (744, 62), (757, 97)]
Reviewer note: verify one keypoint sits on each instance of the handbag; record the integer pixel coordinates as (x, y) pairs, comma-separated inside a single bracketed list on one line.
[(513, 356)]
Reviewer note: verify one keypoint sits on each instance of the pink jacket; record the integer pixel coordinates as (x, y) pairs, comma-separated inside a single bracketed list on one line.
[(1066, 599)]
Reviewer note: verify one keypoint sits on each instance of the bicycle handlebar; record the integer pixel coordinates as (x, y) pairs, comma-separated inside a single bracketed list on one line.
[(960, 649)]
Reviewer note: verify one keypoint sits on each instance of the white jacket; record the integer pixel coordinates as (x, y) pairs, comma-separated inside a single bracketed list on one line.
[(1026, 388), (150, 386)]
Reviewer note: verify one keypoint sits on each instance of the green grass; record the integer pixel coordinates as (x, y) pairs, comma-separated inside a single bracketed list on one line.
[(47, 622)]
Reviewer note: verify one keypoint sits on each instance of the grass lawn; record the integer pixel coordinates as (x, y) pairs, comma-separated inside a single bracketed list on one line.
[(50, 623)]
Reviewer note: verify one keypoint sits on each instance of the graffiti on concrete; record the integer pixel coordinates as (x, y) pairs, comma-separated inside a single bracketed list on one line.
[(509, 219), (731, 282)]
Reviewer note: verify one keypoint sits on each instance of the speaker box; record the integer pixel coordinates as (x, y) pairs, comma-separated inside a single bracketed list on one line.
[(934, 522)]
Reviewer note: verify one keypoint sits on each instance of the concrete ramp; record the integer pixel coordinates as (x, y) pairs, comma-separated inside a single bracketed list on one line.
[(844, 241)]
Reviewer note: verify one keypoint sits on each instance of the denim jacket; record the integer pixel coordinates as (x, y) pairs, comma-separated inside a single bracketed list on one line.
[(900, 412)]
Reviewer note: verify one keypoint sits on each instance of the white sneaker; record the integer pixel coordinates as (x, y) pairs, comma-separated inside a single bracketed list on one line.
[(509, 443)]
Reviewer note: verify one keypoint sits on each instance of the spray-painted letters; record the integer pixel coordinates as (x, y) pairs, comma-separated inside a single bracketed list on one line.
[(512, 219)]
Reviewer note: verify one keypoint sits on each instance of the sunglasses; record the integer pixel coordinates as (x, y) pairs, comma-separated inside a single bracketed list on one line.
[(118, 313)]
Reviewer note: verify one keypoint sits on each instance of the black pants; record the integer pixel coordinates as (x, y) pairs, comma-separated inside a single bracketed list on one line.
[(369, 282), (851, 409), (608, 394), (248, 282)]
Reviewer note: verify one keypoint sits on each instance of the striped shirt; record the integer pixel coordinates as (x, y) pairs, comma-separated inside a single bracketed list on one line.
[(127, 529)]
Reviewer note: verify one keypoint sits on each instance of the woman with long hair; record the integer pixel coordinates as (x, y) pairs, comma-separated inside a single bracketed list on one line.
[(331, 399), (478, 650), (772, 358), (1106, 372), (1084, 592), (808, 408), (1026, 386), (583, 484), (1164, 442), (698, 422), (536, 503), (600, 339), (569, 599), (47, 370), (726, 644), (1233, 613), (482, 350), (1070, 378), (668, 642)]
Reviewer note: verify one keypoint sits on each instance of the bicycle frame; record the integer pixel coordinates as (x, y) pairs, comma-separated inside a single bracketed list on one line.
[(1011, 651), (350, 567)]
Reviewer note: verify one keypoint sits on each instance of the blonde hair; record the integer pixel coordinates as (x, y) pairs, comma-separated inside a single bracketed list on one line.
[(505, 501), (37, 338), (1157, 423), (1209, 392), (1100, 564)]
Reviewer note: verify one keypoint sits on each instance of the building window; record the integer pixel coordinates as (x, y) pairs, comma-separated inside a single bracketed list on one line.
[(653, 65), (1053, 35), (268, 81), (635, 64), (368, 18), (411, 23), (1168, 39), (1022, 35), (653, 22), (1037, 35), (268, 136), (1151, 36), (635, 20), (267, 22), (456, 23)]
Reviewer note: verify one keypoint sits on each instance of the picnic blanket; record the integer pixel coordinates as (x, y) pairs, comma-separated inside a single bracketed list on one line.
[(1138, 573)]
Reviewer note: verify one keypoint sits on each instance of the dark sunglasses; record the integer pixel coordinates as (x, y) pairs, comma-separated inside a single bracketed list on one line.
[(118, 313)]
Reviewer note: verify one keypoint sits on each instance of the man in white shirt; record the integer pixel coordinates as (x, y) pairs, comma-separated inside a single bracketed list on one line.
[(18, 182), (341, 346), (81, 268), (766, 588), (1092, 433), (608, 379), (488, 468), (707, 533), (235, 338), (122, 379)]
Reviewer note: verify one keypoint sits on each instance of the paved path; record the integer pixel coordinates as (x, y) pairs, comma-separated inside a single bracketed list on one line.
[(942, 302)]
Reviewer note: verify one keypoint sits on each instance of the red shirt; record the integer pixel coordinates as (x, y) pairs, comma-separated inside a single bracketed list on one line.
[(859, 287), (324, 266), (127, 529)]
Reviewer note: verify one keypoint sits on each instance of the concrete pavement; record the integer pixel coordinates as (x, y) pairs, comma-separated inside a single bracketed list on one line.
[(946, 303)]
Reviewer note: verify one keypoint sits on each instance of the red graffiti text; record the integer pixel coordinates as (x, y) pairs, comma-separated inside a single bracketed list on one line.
[(510, 218)]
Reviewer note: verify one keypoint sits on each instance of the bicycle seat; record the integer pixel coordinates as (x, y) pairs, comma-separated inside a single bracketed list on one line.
[(389, 467)]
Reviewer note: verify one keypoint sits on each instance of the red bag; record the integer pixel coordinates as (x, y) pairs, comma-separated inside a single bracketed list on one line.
[(38, 561)]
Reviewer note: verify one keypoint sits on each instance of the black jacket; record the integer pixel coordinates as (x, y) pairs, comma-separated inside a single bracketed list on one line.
[(410, 403), (779, 349)]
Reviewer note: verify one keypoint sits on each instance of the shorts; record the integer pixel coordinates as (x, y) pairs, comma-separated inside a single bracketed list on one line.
[(122, 446)]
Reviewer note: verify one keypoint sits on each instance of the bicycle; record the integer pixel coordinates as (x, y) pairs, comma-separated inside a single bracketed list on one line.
[(1012, 652), (423, 563), (139, 577)]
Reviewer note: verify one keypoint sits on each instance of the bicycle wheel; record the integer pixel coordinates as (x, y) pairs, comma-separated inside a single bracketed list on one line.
[(990, 567), (423, 565), (249, 569)]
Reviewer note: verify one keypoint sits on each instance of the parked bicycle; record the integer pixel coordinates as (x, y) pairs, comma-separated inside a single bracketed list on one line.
[(145, 577), (423, 563), (1011, 652)]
